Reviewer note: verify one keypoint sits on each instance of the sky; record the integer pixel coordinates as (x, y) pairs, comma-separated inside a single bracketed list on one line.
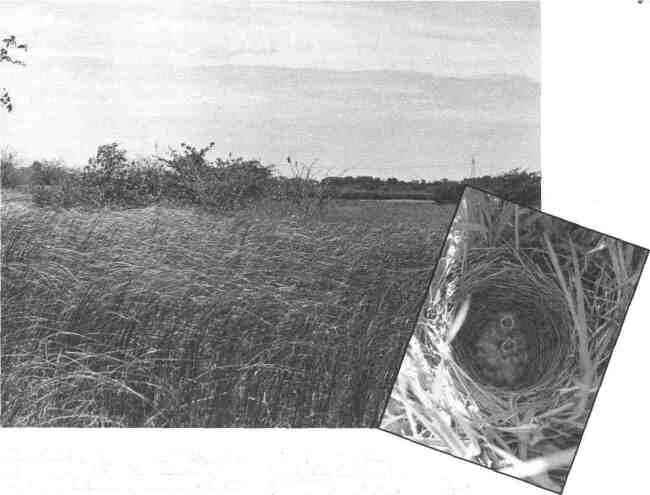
[(407, 90)]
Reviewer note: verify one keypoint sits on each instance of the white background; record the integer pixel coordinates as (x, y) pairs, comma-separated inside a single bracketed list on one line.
[(595, 162)]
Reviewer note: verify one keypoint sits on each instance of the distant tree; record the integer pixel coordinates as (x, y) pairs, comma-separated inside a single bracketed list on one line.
[(7, 44), (110, 159), (107, 172)]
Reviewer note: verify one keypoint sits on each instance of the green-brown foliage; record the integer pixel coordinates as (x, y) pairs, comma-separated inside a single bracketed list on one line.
[(8, 169), (184, 178), (223, 184), (7, 46), (516, 185)]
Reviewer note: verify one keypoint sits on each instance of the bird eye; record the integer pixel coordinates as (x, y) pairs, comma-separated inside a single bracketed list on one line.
[(507, 322), (508, 346)]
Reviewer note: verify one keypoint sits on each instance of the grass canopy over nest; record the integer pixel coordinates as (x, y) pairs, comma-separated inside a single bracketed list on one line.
[(514, 338)]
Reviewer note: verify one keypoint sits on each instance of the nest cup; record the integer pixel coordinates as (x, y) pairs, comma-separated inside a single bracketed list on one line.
[(498, 283)]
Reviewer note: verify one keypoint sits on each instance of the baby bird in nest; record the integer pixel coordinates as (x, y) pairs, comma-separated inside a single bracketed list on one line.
[(502, 350)]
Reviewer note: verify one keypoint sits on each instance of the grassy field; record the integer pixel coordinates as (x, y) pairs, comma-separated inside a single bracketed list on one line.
[(172, 317)]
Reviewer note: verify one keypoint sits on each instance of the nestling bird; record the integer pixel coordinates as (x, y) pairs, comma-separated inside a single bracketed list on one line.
[(502, 350)]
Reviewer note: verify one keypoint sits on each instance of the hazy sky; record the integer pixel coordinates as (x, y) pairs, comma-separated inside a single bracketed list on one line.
[(411, 90)]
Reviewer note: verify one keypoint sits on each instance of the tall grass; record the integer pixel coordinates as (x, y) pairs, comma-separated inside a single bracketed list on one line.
[(163, 316)]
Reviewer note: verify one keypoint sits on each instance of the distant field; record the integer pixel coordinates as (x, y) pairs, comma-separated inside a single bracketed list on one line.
[(172, 317), (383, 201)]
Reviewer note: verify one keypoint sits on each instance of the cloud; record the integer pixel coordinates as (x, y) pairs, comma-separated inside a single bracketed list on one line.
[(441, 38), (354, 84)]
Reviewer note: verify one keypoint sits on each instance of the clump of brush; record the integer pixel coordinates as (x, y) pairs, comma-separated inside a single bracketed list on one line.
[(571, 286)]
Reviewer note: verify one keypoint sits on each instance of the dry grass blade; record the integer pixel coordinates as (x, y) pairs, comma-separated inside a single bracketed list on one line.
[(540, 465)]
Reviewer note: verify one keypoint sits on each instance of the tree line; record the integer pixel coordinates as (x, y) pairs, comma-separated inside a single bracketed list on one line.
[(516, 185), (187, 176)]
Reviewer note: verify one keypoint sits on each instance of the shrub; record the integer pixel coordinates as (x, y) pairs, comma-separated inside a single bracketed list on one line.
[(143, 183), (67, 193), (300, 192), (10, 176), (48, 173), (106, 173), (108, 179), (185, 177), (227, 184)]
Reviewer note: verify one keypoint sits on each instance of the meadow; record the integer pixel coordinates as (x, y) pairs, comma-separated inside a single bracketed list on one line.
[(173, 316)]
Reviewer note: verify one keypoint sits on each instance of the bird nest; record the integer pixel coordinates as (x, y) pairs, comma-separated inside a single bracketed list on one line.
[(516, 338), (498, 338)]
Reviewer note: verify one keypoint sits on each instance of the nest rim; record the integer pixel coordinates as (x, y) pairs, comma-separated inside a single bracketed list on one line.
[(502, 272)]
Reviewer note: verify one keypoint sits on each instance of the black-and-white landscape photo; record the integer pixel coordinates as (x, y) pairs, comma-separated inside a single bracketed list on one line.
[(227, 214), (513, 339)]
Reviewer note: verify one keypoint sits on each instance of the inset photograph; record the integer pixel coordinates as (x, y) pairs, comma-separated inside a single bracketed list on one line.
[(513, 339)]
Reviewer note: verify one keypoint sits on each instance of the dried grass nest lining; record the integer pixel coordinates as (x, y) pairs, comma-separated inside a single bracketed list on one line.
[(505, 281)]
